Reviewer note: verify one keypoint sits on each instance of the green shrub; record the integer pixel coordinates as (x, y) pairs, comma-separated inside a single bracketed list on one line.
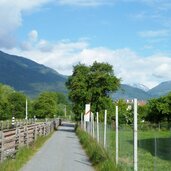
[(97, 154)]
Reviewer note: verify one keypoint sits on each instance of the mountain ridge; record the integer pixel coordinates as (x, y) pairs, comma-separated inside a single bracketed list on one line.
[(32, 78), (28, 76)]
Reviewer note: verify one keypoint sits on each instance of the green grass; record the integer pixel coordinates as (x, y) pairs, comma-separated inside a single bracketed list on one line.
[(97, 155), (23, 155), (150, 156)]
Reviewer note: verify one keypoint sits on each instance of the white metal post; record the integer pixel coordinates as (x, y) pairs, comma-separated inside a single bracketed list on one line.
[(135, 137), (93, 124), (116, 121), (105, 124), (26, 110), (81, 120), (97, 120), (65, 111), (85, 125)]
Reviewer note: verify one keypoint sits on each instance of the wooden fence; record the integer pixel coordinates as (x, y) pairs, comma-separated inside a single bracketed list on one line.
[(12, 139)]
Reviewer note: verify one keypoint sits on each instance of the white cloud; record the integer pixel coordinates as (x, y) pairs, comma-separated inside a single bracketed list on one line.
[(128, 65), (33, 35), (154, 33), (86, 3), (11, 17)]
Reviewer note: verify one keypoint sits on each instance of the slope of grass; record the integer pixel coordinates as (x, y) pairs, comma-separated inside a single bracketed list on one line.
[(98, 156), (23, 155)]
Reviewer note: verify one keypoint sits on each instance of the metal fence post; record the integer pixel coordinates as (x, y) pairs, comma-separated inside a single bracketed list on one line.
[(116, 134), (93, 124), (105, 124), (81, 120), (97, 120), (135, 137)]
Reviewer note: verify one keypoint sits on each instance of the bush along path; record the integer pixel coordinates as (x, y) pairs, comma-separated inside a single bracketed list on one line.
[(62, 152), (97, 154)]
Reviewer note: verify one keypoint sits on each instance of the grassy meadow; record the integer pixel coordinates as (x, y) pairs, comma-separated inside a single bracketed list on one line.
[(154, 148)]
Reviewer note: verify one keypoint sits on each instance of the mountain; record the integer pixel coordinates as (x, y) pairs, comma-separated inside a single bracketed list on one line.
[(32, 78), (129, 92), (28, 76), (140, 86), (161, 90)]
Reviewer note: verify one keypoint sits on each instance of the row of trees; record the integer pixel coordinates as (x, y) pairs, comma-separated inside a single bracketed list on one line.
[(157, 110), (46, 105)]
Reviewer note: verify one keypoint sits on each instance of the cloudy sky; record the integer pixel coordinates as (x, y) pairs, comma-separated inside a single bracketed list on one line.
[(132, 35)]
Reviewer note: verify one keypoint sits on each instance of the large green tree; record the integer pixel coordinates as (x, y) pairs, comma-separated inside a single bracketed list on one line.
[(50, 104), (17, 104), (159, 109), (45, 106), (5, 91), (92, 84)]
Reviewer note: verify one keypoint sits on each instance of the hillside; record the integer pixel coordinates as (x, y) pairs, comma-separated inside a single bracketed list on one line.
[(32, 78), (161, 90), (28, 76), (129, 92)]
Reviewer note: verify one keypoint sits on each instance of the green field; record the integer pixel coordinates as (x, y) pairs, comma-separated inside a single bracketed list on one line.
[(154, 148)]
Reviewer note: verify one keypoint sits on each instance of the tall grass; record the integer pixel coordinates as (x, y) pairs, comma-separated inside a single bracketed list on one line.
[(97, 154), (23, 155)]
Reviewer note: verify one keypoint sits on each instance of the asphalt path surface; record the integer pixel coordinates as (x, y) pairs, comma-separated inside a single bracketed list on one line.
[(62, 152)]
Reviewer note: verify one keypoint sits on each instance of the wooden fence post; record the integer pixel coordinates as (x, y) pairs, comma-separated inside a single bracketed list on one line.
[(1, 125), (35, 133), (2, 145), (17, 139), (44, 129), (26, 135)]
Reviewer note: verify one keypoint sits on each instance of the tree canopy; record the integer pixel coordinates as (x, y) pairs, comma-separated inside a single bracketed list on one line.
[(49, 105), (159, 109), (46, 105), (92, 84)]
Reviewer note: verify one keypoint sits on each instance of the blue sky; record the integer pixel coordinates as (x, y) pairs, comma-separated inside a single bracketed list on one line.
[(132, 35)]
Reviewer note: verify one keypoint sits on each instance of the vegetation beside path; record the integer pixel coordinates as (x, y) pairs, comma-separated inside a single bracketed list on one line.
[(97, 154), (23, 155)]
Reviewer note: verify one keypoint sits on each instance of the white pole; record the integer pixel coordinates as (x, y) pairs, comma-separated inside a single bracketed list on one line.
[(116, 134), (65, 111), (26, 110), (85, 126), (135, 137), (93, 123), (97, 119), (105, 121), (81, 120)]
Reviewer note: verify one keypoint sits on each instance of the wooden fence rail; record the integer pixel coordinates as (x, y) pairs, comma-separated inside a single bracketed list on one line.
[(12, 139)]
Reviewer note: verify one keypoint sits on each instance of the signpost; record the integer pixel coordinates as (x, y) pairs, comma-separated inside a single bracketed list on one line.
[(87, 116)]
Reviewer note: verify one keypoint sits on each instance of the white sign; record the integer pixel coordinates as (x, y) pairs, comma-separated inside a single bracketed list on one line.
[(87, 113)]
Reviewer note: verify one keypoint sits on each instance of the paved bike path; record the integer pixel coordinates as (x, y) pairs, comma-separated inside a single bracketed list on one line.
[(62, 152)]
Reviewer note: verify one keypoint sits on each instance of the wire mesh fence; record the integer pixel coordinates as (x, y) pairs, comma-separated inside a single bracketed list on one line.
[(154, 145)]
